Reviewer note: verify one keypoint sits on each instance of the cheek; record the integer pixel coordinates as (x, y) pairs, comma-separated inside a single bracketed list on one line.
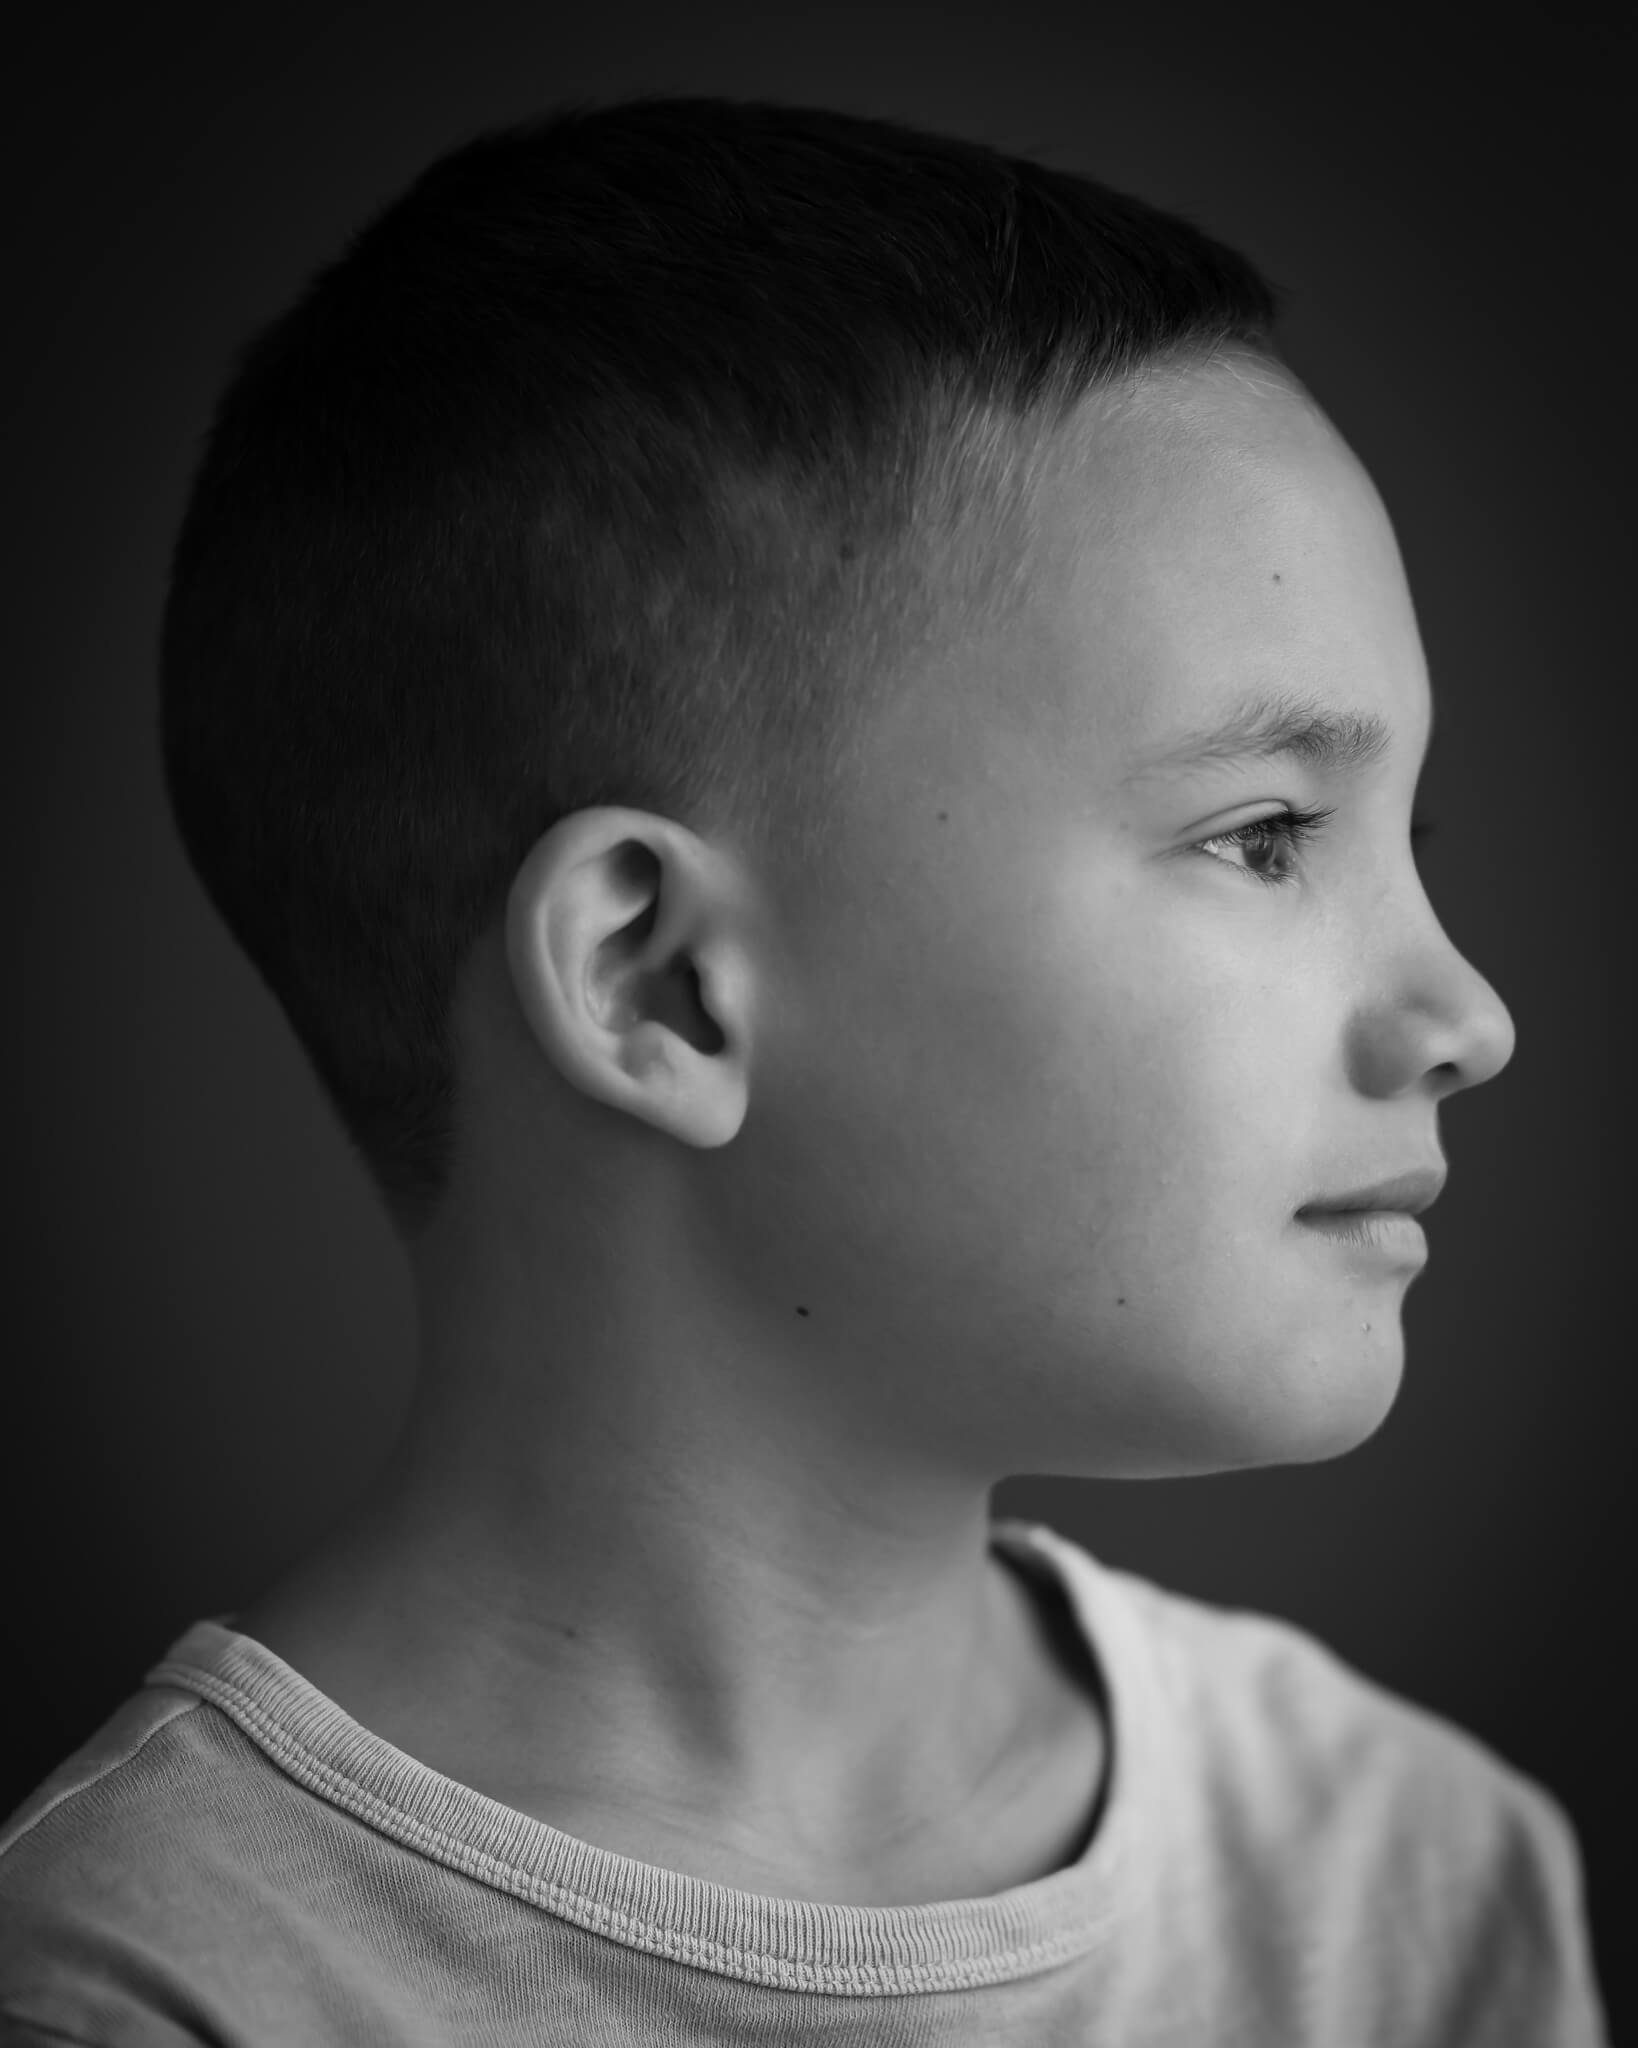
[(1072, 1052), (1042, 1209), (1049, 1119), (1160, 1080)]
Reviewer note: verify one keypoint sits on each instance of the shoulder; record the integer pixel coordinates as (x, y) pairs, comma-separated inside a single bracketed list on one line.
[(1295, 1741), (127, 1865), (1310, 1740), (108, 1772), (1415, 1870)]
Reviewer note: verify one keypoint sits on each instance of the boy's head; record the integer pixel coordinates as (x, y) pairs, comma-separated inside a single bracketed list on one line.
[(679, 671)]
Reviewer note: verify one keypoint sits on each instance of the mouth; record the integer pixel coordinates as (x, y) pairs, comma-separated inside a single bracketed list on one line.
[(1393, 1232), (1405, 1194)]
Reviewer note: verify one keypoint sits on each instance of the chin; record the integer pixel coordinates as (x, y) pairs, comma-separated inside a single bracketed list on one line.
[(1312, 1408), (1299, 1402), (1332, 1405)]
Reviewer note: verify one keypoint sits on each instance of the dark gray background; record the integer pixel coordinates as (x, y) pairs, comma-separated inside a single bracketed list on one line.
[(212, 1322)]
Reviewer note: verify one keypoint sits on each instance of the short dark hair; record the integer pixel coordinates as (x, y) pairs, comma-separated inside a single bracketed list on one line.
[(626, 458)]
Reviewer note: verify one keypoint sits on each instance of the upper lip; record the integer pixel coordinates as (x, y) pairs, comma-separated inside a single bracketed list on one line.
[(1414, 1191)]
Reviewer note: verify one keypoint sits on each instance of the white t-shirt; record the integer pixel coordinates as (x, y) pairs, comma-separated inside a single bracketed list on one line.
[(1285, 1854)]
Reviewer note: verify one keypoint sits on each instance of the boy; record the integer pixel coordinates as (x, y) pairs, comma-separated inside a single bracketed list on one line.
[(817, 739)]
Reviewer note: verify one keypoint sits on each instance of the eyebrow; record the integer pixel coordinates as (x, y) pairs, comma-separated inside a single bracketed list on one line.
[(1274, 724)]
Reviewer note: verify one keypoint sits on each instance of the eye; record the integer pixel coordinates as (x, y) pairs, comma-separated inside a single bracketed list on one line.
[(1285, 832)]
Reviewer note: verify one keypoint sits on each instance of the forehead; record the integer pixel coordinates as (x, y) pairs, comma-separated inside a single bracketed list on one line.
[(1198, 543), (1208, 542)]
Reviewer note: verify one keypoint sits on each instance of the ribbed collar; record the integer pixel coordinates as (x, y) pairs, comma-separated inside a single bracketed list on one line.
[(796, 1943)]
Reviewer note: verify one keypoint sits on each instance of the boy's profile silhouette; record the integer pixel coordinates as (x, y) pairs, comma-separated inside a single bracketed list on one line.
[(818, 741)]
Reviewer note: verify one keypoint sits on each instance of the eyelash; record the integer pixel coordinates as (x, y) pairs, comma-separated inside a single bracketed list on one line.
[(1292, 829)]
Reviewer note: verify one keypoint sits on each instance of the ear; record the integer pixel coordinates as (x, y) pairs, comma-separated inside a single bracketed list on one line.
[(632, 956)]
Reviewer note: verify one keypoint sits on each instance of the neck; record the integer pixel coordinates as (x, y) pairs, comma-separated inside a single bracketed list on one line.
[(582, 1591)]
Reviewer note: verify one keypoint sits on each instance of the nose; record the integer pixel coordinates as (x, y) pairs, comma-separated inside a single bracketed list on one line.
[(1485, 1036), (1442, 1028)]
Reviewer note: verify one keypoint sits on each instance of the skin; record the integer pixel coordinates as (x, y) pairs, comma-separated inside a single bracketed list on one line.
[(793, 1213)]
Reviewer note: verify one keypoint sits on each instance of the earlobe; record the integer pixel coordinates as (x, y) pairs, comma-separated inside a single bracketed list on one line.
[(699, 1098), (706, 1054)]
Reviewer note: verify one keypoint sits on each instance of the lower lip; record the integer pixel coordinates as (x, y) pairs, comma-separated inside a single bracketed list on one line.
[(1392, 1231)]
